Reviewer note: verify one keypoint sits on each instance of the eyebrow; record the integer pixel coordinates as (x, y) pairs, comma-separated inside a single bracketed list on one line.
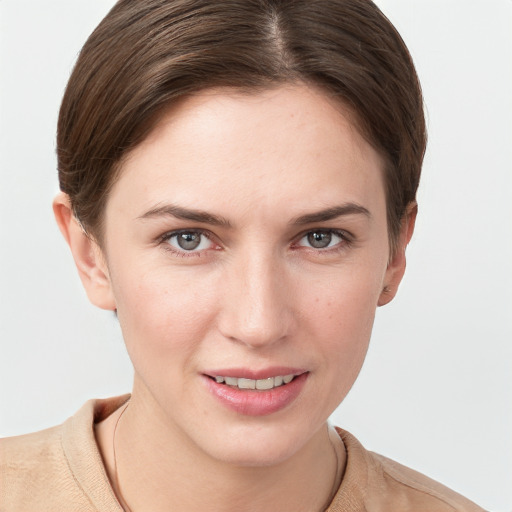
[(332, 213), (170, 210)]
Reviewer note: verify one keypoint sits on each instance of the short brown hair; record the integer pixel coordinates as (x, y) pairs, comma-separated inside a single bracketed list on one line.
[(145, 54)]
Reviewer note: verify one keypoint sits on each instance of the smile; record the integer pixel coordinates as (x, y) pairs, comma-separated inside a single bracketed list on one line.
[(259, 384), (252, 396)]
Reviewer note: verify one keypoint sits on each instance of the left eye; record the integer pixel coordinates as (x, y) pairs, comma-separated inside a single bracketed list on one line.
[(189, 241), (321, 239)]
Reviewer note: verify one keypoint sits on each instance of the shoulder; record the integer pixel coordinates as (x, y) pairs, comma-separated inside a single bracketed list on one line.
[(382, 484), (34, 471), (422, 488), (59, 468), (27, 453)]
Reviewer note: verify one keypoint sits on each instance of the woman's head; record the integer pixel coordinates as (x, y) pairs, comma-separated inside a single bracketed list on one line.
[(145, 56)]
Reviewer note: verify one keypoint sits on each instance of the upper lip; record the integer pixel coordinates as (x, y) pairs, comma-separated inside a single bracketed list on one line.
[(247, 373)]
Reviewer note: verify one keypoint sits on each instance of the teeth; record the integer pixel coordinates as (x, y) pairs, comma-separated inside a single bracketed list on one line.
[(246, 384), (262, 384), (265, 383)]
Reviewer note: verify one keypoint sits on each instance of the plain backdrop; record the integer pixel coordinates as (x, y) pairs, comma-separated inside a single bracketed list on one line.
[(436, 390)]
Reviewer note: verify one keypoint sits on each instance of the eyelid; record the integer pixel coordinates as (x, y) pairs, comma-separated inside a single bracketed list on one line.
[(173, 232)]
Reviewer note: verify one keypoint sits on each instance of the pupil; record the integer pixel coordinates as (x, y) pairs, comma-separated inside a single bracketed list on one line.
[(189, 241), (319, 239)]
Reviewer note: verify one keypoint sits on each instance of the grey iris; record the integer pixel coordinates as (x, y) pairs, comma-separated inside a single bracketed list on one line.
[(319, 239), (189, 240)]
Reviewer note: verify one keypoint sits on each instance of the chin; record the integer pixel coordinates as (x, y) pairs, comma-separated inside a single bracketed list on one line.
[(257, 446)]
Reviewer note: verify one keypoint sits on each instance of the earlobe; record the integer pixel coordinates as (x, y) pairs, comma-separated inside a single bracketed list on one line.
[(88, 256), (396, 266)]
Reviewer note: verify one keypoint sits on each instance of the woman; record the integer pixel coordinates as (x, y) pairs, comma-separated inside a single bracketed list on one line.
[(238, 184)]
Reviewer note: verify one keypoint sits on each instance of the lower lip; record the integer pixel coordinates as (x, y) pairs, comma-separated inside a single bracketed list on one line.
[(257, 403)]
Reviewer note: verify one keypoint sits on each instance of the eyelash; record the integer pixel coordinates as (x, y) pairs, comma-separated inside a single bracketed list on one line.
[(345, 237), (345, 242), (164, 241)]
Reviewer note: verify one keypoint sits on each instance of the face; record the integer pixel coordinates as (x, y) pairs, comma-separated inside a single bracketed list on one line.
[(246, 246)]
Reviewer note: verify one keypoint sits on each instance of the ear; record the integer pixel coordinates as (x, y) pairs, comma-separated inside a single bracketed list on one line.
[(87, 254), (396, 265)]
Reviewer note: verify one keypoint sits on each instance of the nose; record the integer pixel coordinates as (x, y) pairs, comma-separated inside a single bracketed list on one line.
[(256, 307)]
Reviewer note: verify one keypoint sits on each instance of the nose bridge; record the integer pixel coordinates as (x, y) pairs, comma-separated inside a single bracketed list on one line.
[(256, 309)]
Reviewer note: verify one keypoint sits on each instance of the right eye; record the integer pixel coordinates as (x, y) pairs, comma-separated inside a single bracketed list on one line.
[(187, 241)]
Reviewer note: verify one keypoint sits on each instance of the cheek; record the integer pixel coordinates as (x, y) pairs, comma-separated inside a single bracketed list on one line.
[(162, 313), (347, 324), (345, 298), (340, 317)]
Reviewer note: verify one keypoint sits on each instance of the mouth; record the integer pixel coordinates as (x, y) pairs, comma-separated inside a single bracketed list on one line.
[(243, 392), (254, 384)]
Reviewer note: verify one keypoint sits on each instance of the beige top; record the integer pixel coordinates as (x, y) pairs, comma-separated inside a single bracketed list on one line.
[(61, 469)]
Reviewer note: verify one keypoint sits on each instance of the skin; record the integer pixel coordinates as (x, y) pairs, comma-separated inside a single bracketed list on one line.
[(255, 294)]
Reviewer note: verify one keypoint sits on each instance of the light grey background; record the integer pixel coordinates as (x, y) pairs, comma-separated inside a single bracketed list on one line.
[(436, 390)]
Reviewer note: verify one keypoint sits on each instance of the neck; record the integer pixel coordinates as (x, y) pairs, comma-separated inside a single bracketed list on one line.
[(156, 469)]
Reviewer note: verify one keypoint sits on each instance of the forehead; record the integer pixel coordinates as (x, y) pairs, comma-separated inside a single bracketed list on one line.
[(266, 151)]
